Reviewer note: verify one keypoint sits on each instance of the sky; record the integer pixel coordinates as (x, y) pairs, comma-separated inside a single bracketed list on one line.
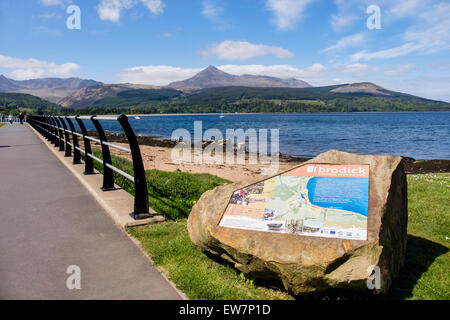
[(405, 48)]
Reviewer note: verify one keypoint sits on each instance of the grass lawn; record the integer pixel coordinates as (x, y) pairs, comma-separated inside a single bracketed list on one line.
[(424, 276), (199, 276), (2, 124)]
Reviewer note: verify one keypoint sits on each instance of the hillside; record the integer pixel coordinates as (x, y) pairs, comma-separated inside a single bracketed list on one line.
[(212, 77), (88, 96), (51, 89), (338, 98), (134, 97), (13, 102)]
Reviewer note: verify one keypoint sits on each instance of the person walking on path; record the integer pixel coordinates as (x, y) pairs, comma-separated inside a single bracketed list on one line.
[(21, 116), (10, 119)]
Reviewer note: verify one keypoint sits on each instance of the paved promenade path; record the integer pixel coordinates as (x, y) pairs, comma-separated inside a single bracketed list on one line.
[(49, 221)]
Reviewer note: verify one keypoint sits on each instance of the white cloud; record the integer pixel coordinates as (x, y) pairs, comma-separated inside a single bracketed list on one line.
[(401, 9), (428, 36), (112, 9), (155, 6), (242, 50), (387, 53), (48, 16), (211, 10), (163, 75), (440, 65), (286, 12), (34, 68), (346, 42), (399, 70), (279, 71), (51, 2), (354, 68), (156, 75), (61, 3), (348, 12), (340, 22)]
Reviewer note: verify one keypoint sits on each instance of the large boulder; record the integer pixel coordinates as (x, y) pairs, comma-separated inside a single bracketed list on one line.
[(307, 264)]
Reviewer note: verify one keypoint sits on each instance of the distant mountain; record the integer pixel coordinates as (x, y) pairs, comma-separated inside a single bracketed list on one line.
[(356, 97), (362, 87), (212, 90), (51, 89), (212, 77), (87, 96)]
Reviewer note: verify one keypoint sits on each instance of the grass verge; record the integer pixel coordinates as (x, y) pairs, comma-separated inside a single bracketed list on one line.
[(199, 276)]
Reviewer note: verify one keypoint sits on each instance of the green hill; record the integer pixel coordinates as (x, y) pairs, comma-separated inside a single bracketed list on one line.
[(339, 98), (16, 102), (358, 97)]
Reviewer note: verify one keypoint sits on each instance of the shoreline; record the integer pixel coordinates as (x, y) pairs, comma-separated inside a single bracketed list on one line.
[(156, 154), (249, 113)]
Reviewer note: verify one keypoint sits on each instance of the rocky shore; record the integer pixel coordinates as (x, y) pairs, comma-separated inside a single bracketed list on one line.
[(156, 153)]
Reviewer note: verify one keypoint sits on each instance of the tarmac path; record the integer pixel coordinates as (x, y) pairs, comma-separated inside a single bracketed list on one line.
[(49, 221)]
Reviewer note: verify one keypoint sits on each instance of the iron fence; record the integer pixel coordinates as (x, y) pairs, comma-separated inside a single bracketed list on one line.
[(60, 130)]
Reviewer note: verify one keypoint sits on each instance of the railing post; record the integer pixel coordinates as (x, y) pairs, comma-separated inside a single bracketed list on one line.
[(141, 206), (108, 176), (55, 131), (88, 162), (45, 128), (66, 137), (51, 137), (60, 134), (76, 152)]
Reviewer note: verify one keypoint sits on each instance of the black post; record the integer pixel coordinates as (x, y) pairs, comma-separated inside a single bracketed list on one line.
[(88, 162), (55, 131), (141, 206), (46, 127), (66, 137), (108, 177), (60, 134), (76, 152)]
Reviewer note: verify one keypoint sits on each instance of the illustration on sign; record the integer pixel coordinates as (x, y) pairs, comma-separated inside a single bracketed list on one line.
[(316, 200)]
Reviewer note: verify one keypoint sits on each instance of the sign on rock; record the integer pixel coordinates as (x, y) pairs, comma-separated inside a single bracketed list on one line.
[(328, 223), (321, 200)]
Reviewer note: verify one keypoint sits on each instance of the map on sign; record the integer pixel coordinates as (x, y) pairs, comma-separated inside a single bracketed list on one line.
[(315, 200)]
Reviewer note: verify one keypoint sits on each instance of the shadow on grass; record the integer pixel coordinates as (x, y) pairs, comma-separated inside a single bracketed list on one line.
[(420, 255)]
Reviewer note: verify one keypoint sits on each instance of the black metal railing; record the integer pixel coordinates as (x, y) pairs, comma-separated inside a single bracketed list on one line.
[(60, 129)]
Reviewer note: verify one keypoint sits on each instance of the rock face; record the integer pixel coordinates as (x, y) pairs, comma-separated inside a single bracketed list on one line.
[(307, 264)]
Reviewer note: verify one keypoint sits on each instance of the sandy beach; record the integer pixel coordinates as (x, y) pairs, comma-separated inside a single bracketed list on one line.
[(157, 154), (160, 158)]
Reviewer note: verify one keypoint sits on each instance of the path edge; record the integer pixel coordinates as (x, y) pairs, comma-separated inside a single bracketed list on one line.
[(111, 212)]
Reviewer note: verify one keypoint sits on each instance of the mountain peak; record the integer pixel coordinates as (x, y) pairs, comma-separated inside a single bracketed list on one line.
[(211, 77), (212, 70)]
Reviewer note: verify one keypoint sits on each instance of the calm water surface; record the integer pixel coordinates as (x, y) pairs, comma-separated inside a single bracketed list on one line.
[(421, 135)]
